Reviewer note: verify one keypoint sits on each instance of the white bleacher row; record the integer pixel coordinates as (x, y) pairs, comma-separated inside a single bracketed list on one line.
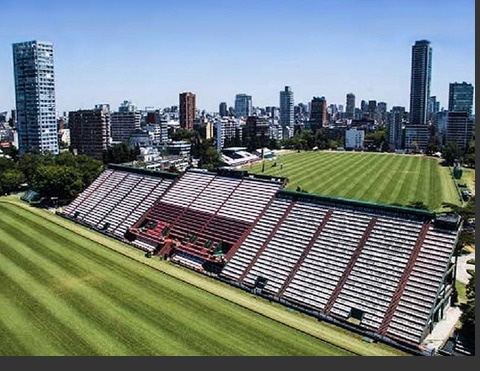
[(249, 247), (422, 286), (94, 209), (382, 260), (249, 200), (70, 209), (287, 245), (241, 199), (372, 281), (142, 206), (186, 262), (120, 200), (213, 196), (144, 245), (129, 204), (187, 188), (115, 198), (89, 210), (327, 260)]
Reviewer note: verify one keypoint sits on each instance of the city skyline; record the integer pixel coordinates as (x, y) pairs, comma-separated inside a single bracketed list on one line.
[(225, 49)]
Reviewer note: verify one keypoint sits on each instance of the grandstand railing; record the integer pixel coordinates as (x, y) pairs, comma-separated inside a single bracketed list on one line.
[(351, 263)]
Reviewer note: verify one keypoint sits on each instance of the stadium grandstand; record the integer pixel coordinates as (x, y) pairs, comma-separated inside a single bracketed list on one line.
[(118, 198), (203, 215), (385, 270), (238, 156)]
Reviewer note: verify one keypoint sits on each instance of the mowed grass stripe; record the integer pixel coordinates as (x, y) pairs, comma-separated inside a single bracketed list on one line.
[(389, 181), (332, 334), (408, 179), (41, 301), (155, 313), (401, 179), (331, 178), (21, 332), (373, 174), (311, 169), (283, 345), (166, 319), (336, 180), (101, 304), (210, 343)]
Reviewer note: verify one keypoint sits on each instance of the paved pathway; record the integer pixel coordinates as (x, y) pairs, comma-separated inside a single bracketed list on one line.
[(462, 266), (442, 329)]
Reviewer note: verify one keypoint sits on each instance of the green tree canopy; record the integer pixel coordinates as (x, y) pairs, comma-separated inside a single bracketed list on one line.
[(11, 180), (6, 164), (183, 134), (64, 182), (121, 153), (451, 152)]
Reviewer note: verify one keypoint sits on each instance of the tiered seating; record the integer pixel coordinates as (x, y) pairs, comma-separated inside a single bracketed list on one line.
[(285, 248), (248, 200), (257, 237), (82, 197), (93, 208), (413, 310), (187, 188), (378, 270), (206, 213), (217, 192), (351, 260), (132, 208), (323, 267), (122, 190), (117, 198)]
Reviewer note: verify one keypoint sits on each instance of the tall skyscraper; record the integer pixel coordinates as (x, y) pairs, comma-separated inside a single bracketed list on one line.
[(395, 127), (420, 81), (433, 105), (35, 96), (222, 109), (90, 131), (187, 110), (372, 107), (350, 107), (460, 97), (243, 106), (287, 117), (381, 112), (318, 111)]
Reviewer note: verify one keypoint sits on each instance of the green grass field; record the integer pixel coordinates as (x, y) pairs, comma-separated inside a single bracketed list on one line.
[(375, 177), (67, 290)]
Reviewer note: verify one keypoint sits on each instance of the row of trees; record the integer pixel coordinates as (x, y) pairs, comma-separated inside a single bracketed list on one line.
[(63, 176), (321, 138), (466, 238)]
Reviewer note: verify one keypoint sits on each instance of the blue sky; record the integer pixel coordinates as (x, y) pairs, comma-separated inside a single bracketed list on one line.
[(149, 51)]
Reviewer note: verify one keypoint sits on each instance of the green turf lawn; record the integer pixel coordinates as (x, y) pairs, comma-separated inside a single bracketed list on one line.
[(375, 177), (64, 294)]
